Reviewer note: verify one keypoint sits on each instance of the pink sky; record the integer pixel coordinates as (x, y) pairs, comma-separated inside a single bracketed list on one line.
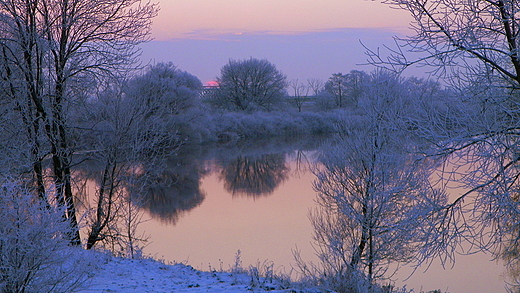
[(198, 18), (303, 38)]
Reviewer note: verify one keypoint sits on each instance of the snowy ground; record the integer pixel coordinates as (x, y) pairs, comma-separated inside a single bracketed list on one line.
[(127, 275)]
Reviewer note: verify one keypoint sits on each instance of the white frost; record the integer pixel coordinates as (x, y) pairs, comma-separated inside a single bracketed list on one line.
[(145, 275)]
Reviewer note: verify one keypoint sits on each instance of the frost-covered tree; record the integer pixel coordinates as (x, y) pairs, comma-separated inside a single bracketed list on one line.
[(48, 49), (469, 38), (121, 133), (164, 85), (376, 203), (475, 44), (250, 84), (371, 192)]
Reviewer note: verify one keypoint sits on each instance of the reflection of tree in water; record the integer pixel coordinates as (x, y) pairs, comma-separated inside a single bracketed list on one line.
[(166, 192), (172, 191), (491, 175), (511, 256), (254, 176), (372, 198)]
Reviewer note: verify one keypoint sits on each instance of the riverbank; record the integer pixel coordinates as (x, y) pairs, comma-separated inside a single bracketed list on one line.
[(146, 275)]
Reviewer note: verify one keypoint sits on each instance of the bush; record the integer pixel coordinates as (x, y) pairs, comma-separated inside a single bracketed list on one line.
[(265, 124), (34, 251)]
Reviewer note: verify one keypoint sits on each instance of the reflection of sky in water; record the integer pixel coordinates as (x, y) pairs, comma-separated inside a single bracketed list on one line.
[(266, 227), (269, 227)]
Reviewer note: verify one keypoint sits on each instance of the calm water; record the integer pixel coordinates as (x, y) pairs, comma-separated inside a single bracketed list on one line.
[(255, 198)]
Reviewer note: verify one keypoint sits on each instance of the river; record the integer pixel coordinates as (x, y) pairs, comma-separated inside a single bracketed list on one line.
[(254, 200)]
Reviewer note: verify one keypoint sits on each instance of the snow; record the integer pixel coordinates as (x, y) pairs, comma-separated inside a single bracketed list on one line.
[(147, 275)]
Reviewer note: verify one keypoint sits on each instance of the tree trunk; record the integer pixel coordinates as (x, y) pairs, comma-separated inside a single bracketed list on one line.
[(104, 207)]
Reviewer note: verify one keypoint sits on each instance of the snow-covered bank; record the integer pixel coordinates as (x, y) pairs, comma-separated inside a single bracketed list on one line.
[(145, 275)]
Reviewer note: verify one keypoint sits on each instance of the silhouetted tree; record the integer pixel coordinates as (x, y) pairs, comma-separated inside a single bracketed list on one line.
[(345, 89), (336, 87), (316, 85), (300, 92), (251, 84)]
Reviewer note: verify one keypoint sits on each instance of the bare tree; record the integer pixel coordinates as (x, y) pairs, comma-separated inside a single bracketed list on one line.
[(475, 43), (48, 48), (372, 193), (316, 85), (300, 93), (467, 38), (250, 84)]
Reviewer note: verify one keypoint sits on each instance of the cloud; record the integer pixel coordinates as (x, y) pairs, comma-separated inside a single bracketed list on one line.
[(300, 55)]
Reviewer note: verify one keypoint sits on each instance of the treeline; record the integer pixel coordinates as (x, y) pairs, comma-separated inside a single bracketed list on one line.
[(253, 99)]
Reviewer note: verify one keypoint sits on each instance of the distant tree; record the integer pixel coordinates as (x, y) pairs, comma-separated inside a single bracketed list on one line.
[(345, 89), (250, 84), (356, 80), (165, 86), (300, 91), (315, 85), (337, 88)]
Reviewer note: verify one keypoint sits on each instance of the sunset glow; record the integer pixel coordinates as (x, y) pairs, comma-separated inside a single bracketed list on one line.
[(304, 38), (211, 83), (201, 19)]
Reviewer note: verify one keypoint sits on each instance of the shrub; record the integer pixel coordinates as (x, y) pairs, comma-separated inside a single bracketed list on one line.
[(34, 251), (265, 124)]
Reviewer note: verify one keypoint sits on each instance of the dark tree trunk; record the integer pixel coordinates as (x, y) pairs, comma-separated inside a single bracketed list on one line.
[(104, 205)]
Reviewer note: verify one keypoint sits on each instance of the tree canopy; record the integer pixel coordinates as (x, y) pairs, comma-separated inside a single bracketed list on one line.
[(250, 84)]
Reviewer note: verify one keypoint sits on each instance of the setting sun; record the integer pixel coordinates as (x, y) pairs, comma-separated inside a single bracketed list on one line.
[(212, 83)]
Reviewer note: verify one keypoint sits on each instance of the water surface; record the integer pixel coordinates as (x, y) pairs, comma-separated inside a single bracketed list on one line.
[(255, 198)]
